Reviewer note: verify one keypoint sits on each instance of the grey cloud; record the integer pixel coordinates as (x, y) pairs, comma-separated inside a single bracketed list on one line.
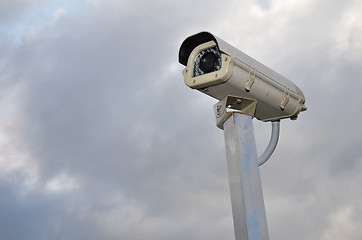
[(95, 105), (10, 10), (35, 215)]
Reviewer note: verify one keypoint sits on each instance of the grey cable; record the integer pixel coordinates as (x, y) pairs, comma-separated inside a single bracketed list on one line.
[(272, 143)]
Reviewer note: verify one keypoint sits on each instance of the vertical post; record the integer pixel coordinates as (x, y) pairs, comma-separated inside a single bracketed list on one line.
[(244, 179)]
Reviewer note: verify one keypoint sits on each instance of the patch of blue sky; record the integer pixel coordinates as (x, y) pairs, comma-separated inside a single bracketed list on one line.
[(264, 4), (39, 15)]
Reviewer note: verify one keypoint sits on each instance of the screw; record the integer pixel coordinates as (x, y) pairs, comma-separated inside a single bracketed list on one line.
[(218, 108)]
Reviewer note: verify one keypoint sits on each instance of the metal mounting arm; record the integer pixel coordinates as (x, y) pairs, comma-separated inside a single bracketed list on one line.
[(224, 108)]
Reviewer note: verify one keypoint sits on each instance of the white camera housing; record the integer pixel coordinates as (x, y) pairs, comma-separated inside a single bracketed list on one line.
[(236, 74)]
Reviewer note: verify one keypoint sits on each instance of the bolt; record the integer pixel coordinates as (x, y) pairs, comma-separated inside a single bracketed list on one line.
[(218, 108)]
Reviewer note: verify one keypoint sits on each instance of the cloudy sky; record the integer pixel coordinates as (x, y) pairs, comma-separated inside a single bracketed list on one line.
[(101, 139)]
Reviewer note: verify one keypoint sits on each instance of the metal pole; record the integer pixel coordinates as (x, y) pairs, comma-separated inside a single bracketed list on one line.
[(244, 179)]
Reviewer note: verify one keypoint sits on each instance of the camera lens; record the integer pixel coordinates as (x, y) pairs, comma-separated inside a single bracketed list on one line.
[(208, 62)]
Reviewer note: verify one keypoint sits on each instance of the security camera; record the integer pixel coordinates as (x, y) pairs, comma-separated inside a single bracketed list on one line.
[(218, 69)]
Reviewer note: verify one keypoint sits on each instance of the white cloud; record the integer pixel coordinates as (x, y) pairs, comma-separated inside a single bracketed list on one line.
[(15, 163), (347, 35), (61, 182), (343, 225), (58, 13)]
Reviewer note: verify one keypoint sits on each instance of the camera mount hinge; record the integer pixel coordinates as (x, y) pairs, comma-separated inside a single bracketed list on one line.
[(285, 98), (251, 79), (224, 108)]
